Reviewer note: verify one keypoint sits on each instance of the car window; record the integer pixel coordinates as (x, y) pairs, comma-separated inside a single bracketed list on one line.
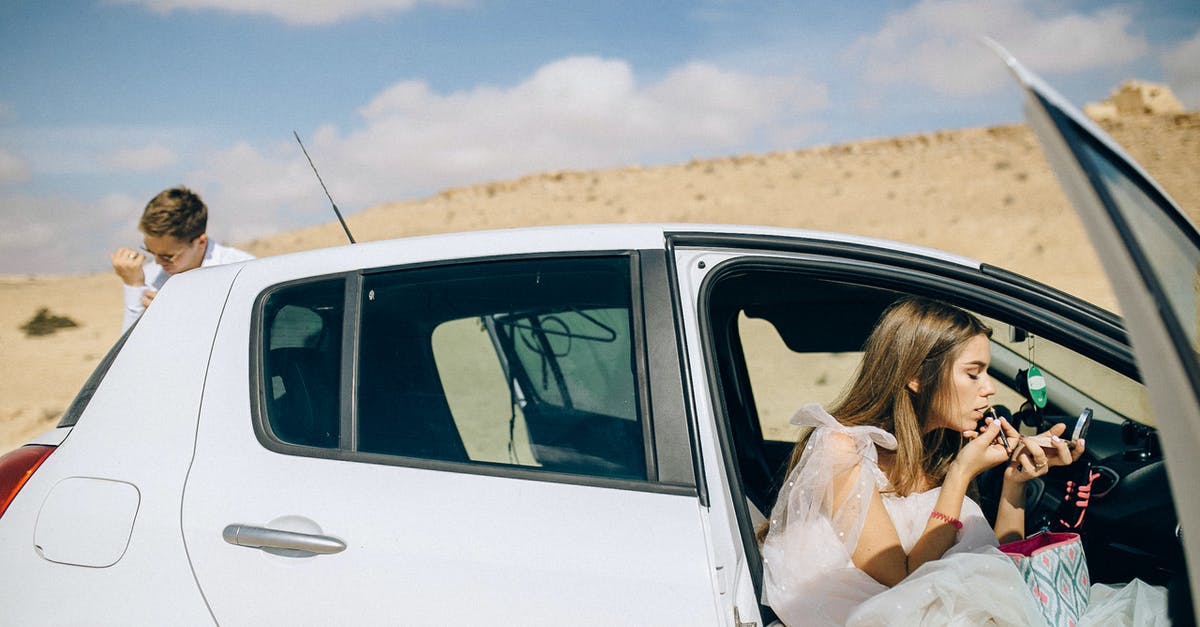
[(1114, 396), (1172, 256), (526, 363), (302, 337), (71, 417)]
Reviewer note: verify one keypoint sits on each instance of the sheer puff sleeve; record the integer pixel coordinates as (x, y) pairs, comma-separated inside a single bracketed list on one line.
[(808, 548)]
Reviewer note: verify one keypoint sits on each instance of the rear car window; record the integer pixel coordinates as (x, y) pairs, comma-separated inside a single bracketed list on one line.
[(302, 337), (71, 417), (525, 363)]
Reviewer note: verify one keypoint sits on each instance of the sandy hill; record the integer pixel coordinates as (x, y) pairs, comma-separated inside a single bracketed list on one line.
[(986, 193)]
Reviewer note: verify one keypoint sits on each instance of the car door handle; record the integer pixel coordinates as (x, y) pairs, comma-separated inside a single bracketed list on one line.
[(290, 543)]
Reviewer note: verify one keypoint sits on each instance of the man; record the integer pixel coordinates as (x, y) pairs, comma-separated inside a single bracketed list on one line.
[(173, 233)]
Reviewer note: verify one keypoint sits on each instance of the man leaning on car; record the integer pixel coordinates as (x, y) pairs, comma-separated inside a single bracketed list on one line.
[(173, 229)]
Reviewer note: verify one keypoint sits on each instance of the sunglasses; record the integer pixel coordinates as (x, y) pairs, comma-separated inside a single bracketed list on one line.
[(162, 258)]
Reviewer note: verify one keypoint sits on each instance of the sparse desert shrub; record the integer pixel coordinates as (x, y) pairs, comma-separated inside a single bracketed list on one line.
[(44, 323)]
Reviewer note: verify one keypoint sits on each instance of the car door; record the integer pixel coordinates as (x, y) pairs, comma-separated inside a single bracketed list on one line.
[(365, 455), (1151, 253)]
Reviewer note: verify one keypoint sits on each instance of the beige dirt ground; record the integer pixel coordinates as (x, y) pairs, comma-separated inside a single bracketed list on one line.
[(984, 193)]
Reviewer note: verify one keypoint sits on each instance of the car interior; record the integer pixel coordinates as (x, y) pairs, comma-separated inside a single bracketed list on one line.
[(816, 326)]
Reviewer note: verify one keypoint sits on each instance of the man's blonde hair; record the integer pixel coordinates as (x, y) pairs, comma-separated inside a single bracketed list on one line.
[(177, 212)]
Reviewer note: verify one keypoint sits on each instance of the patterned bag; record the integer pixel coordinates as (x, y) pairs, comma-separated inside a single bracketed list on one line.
[(1056, 572)]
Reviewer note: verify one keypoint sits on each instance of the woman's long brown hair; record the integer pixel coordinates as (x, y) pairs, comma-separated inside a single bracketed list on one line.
[(915, 341)]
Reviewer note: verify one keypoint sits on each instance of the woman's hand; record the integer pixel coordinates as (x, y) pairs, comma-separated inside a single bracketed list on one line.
[(1034, 455), (986, 449)]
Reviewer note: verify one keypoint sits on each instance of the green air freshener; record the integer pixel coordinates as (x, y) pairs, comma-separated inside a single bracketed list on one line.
[(1037, 386)]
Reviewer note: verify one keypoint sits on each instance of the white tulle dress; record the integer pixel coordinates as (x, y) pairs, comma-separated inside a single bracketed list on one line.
[(810, 579)]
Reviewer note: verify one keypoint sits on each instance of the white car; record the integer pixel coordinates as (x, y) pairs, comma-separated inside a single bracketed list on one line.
[(565, 426)]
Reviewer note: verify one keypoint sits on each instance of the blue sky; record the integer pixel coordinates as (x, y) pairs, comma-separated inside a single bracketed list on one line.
[(105, 102)]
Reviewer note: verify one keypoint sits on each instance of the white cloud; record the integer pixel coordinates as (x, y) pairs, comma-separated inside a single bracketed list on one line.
[(74, 151), (145, 159), (61, 233), (12, 168), (21, 237), (252, 192), (44, 234), (935, 43), (574, 113), (122, 208), (298, 12), (1182, 64), (410, 141)]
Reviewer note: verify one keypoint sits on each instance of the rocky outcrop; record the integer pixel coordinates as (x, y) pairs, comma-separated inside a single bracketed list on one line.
[(1134, 98)]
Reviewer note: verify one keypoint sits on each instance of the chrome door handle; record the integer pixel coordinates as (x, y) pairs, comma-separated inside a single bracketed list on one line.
[(279, 542)]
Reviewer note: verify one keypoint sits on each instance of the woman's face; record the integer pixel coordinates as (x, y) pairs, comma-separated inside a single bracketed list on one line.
[(969, 385)]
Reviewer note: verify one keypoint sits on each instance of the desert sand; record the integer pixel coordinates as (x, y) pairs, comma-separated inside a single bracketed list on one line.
[(985, 193)]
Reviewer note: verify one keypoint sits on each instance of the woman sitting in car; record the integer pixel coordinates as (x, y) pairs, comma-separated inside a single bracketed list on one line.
[(874, 524)]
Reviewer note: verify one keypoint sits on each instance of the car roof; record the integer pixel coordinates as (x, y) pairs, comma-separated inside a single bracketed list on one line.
[(574, 238)]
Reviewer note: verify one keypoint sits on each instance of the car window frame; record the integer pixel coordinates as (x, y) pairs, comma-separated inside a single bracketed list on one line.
[(658, 379)]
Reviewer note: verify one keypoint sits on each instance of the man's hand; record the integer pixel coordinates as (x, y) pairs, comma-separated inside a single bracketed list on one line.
[(148, 296), (127, 263)]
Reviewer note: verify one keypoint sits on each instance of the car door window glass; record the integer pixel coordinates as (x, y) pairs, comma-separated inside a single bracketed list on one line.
[(1174, 259), (528, 363), (302, 338)]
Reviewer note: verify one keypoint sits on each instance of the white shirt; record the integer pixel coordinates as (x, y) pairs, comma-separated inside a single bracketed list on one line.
[(214, 255)]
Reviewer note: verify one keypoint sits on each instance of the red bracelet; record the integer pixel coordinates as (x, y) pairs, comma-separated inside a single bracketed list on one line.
[(950, 519)]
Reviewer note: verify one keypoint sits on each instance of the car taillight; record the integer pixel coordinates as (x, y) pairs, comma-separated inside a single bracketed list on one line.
[(16, 467)]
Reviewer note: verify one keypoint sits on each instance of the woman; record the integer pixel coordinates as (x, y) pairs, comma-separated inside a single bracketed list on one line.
[(873, 525)]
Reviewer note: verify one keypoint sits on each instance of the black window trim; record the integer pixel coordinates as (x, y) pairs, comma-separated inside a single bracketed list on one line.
[(674, 442), (83, 398), (661, 447)]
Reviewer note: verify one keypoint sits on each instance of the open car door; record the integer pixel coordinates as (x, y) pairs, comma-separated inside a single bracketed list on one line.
[(1151, 253)]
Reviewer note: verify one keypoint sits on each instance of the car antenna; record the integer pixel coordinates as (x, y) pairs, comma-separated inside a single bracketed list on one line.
[(335, 209)]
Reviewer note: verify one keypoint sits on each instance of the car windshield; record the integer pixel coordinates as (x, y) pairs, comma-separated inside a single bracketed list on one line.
[(1073, 380)]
